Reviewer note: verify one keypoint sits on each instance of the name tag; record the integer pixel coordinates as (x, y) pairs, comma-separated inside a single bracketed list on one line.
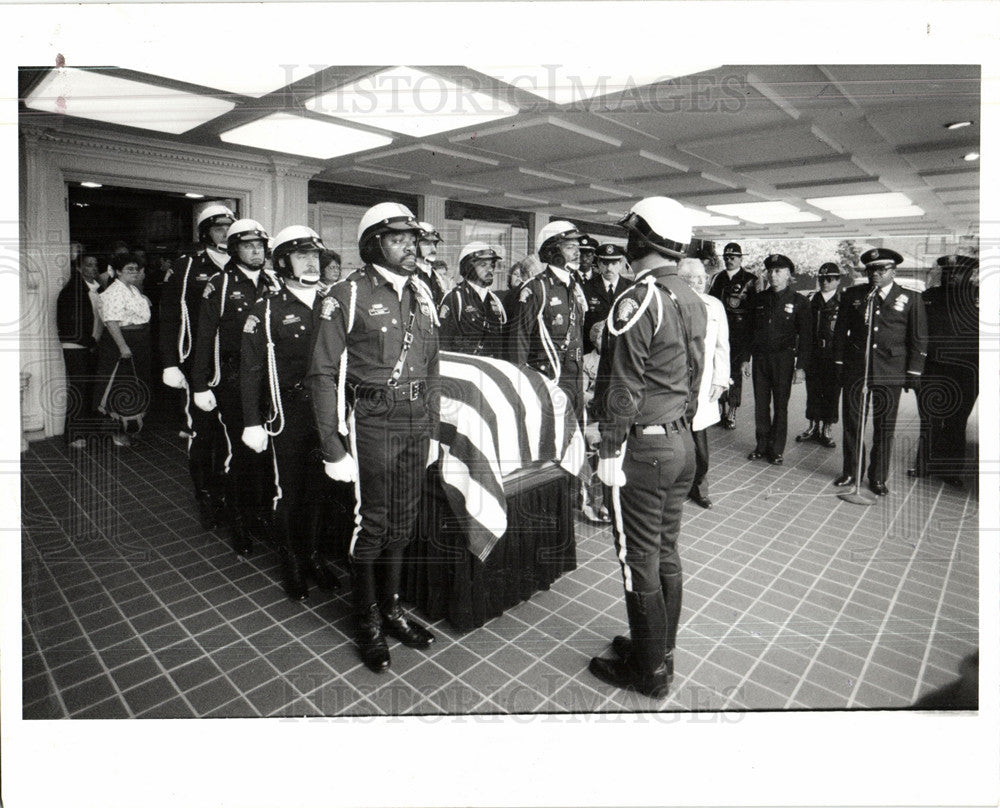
[(900, 303), (555, 301), (236, 294), (202, 276), (470, 309), (378, 309), (291, 318)]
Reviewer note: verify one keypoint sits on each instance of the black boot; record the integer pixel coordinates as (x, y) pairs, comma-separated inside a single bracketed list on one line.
[(731, 418), (206, 510), (811, 433), (390, 573), (293, 557), (372, 647), (242, 542), (824, 438), (317, 566), (672, 587), (644, 668)]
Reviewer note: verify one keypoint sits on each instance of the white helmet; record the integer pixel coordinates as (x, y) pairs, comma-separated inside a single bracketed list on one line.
[(293, 238), (660, 223), (245, 230), (211, 216), (555, 232), (384, 217), (428, 232), (474, 251)]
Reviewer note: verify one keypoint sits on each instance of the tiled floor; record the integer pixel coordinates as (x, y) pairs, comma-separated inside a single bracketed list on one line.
[(793, 600)]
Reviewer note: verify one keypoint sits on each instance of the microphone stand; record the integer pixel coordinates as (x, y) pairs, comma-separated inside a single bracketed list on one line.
[(855, 496)]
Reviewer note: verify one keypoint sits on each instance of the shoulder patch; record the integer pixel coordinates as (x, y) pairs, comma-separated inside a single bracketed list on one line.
[(525, 294), (444, 310), (209, 290), (625, 309), (329, 306), (250, 326)]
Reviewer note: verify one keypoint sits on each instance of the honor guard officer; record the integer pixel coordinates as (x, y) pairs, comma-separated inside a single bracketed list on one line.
[(588, 255), (472, 315), (602, 289), (736, 288), (646, 451), (376, 350), (180, 303), (428, 263), (822, 382), (896, 354), (951, 374), (276, 349), (548, 334), (226, 301), (780, 346)]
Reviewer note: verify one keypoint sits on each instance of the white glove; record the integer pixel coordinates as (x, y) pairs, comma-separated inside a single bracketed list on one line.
[(609, 471), (433, 453), (205, 401), (344, 470), (172, 377), (256, 438)]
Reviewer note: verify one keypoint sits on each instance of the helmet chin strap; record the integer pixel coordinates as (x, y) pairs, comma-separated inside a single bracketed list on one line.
[(309, 280)]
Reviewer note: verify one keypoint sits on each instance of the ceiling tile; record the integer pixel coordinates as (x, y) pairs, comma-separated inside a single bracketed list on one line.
[(429, 160), (538, 141)]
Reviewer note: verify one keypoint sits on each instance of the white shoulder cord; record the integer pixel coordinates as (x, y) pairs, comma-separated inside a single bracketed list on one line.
[(184, 337), (272, 378), (503, 311), (545, 338), (427, 298), (342, 379), (222, 310)]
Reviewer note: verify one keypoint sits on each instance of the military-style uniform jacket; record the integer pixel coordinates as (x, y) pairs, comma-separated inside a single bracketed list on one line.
[(358, 339), (657, 350), (823, 317), (558, 337), (737, 295), (180, 303), (226, 301), (780, 322), (899, 334), (432, 280), (952, 324), (290, 322), (599, 303), (470, 324)]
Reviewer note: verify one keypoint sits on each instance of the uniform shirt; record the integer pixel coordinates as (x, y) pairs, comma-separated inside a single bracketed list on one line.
[(780, 322), (737, 295), (373, 345), (124, 304), (472, 320), (952, 324), (186, 285), (656, 359), (291, 326), (823, 319), (899, 334), (561, 331), (225, 318)]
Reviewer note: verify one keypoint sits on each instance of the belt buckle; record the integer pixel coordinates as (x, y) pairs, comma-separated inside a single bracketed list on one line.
[(415, 390)]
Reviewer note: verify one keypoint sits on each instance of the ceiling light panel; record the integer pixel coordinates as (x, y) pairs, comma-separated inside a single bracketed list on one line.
[(242, 73), (699, 218), (410, 102), (860, 202), (293, 134), (102, 97), (765, 212)]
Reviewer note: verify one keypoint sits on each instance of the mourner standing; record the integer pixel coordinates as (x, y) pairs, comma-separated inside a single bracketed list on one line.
[(646, 451), (79, 322), (898, 351), (822, 382), (602, 289), (736, 288), (375, 353), (472, 315)]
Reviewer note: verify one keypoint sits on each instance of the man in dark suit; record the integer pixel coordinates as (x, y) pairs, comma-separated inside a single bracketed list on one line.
[(602, 289), (79, 326), (822, 384), (898, 350)]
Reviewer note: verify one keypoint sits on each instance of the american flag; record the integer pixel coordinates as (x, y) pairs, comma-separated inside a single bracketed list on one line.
[(495, 420)]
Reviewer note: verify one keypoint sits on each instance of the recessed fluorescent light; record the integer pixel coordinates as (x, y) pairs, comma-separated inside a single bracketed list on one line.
[(531, 200), (245, 73), (958, 125), (100, 97), (91, 185), (410, 102), (191, 195), (293, 134), (971, 156), (461, 186), (699, 218), (884, 213), (580, 208), (613, 191), (860, 202), (765, 212)]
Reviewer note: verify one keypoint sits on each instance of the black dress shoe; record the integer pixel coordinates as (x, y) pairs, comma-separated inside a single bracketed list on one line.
[(622, 646), (409, 633), (755, 455), (878, 488), (618, 673), (844, 480), (698, 499), (729, 423), (372, 647), (823, 438), (811, 433), (776, 460), (325, 578)]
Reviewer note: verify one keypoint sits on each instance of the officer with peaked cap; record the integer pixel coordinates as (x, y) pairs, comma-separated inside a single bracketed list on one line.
[(736, 288), (950, 382), (548, 333), (472, 315), (588, 254), (602, 289), (822, 382), (179, 307), (428, 264), (656, 344), (225, 305), (780, 347), (276, 348), (897, 353), (375, 353)]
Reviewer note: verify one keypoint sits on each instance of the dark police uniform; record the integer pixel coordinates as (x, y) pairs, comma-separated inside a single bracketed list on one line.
[(781, 343), (227, 299), (471, 324), (428, 274), (737, 295), (599, 300), (180, 303), (950, 382), (362, 322), (822, 382), (657, 348), (553, 346), (898, 353)]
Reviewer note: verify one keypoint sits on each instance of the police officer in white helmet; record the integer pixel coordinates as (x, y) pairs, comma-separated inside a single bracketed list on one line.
[(656, 352), (428, 264), (472, 315)]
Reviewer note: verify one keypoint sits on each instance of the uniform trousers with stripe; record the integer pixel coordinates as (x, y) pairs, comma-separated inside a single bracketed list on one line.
[(884, 407), (207, 450), (391, 441), (646, 524), (822, 391), (772, 384)]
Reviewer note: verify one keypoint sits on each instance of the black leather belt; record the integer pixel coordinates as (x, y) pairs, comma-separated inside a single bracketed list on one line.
[(660, 429), (402, 392)]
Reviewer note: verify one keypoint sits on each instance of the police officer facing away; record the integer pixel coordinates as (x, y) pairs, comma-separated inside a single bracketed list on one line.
[(646, 451), (780, 345), (226, 302), (179, 308), (822, 382), (276, 349), (472, 315), (376, 350), (898, 350), (736, 288)]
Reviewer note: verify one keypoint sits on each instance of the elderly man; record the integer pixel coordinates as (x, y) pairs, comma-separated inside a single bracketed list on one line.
[(714, 379)]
